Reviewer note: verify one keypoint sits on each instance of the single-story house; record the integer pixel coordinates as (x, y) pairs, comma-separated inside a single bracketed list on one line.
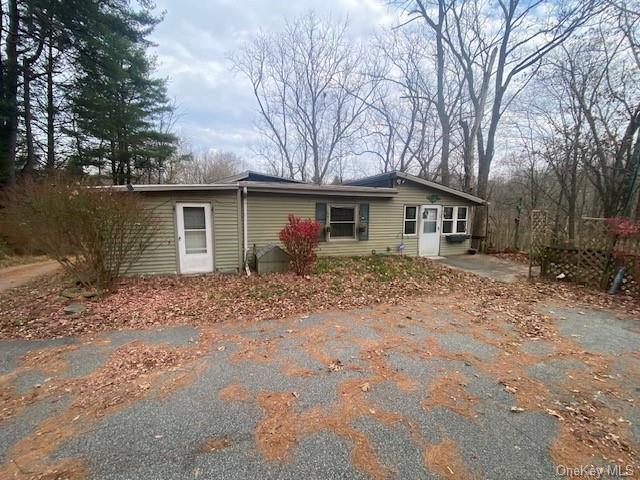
[(215, 227)]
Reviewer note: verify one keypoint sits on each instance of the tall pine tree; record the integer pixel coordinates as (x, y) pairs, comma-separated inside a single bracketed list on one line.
[(88, 60), (117, 102)]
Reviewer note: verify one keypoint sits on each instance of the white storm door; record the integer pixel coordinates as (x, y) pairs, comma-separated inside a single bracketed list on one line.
[(195, 246), (429, 232)]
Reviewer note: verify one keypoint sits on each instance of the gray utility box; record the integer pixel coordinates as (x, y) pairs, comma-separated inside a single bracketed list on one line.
[(271, 258)]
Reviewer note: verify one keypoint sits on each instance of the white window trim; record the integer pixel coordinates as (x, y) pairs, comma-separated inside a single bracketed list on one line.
[(355, 222), (405, 220), (455, 220)]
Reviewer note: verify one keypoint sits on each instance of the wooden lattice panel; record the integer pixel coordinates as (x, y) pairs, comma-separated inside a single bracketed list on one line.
[(592, 257), (560, 263), (595, 261), (539, 237)]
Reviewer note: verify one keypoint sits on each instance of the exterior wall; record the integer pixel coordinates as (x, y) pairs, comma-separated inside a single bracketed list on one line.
[(162, 255), (268, 214)]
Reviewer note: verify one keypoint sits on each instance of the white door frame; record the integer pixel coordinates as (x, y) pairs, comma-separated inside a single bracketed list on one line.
[(194, 262), (429, 243)]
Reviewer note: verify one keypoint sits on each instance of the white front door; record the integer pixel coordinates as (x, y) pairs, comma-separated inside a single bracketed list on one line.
[(429, 232), (195, 246)]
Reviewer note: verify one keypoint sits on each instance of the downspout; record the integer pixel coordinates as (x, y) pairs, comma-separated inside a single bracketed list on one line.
[(245, 226)]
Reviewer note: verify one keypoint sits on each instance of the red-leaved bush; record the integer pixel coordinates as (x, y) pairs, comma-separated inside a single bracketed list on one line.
[(300, 239), (622, 227)]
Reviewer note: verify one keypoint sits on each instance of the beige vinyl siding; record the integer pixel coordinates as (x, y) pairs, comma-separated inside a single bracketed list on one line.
[(449, 249), (162, 256), (414, 194), (268, 214)]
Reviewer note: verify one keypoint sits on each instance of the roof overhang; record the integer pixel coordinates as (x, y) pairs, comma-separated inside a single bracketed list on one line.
[(324, 190), (391, 179), (247, 175), (165, 187), (442, 188)]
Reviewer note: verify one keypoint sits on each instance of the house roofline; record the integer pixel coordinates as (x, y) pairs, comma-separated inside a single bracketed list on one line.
[(247, 173), (313, 189), (174, 187), (354, 188), (443, 188), (264, 187), (422, 181)]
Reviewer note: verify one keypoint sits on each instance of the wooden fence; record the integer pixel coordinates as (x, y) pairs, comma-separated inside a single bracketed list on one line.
[(592, 257)]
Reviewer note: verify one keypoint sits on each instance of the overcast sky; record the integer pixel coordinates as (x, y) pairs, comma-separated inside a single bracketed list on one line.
[(217, 109)]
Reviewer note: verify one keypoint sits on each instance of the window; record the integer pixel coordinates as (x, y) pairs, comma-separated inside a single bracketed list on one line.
[(342, 219), (410, 219), (454, 219), (195, 230), (461, 224), (430, 220)]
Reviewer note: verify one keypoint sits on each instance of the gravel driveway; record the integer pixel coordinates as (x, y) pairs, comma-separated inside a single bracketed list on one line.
[(413, 391)]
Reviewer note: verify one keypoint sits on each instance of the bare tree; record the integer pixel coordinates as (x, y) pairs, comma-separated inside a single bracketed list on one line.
[(311, 93), (401, 118), (605, 86), (525, 34), (448, 84), (475, 56), (208, 167), (563, 137), (627, 13)]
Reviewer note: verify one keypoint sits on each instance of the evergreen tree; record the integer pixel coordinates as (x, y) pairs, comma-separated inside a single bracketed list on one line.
[(85, 64)]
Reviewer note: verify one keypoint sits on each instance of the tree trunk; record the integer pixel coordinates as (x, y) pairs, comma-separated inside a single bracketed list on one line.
[(443, 114), (128, 163), (444, 157), (572, 196), (467, 156), (30, 163), (114, 163), (480, 216), (9, 125), (51, 149)]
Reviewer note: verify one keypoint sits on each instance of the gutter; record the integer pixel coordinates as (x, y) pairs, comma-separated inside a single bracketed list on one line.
[(166, 187), (324, 190)]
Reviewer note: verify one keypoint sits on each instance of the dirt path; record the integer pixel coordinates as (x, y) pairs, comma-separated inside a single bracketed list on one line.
[(19, 275)]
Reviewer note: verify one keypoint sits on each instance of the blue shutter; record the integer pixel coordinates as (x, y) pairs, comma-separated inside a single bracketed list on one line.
[(321, 218), (363, 223)]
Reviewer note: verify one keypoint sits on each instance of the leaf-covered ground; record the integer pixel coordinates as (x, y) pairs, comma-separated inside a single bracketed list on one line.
[(500, 360), (37, 309)]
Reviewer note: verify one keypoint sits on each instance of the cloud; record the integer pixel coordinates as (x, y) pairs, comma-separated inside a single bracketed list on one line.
[(217, 109)]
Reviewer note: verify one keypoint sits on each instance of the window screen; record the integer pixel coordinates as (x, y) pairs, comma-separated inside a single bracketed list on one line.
[(410, 220), (195, 230), (455, 219), (342, 222)]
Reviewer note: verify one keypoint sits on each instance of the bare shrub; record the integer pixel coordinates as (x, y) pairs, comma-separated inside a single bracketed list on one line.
[(96, 233)]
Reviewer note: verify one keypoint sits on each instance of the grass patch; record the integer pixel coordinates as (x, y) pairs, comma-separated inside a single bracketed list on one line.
[(266, 291), (377, 268)]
